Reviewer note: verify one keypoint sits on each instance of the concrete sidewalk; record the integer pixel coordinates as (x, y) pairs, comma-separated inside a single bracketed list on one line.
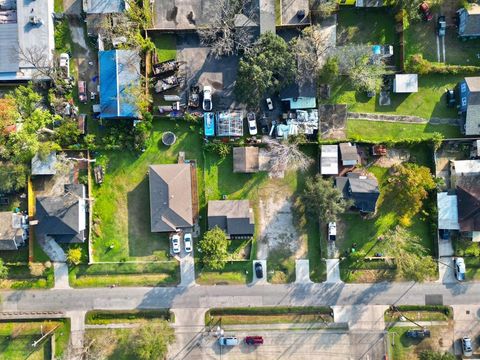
[(61, 276)]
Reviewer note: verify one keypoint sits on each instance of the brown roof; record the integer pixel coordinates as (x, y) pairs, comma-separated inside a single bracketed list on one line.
[(245, 159), (235, 217), (468, 195), (170, 197)]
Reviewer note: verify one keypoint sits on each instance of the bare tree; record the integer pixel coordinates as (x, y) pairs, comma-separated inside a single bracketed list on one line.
[(229, 29), (45, 64), (285, 156)]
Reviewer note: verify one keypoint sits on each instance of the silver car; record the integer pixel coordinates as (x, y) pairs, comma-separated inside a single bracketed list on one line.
[(467, 348)]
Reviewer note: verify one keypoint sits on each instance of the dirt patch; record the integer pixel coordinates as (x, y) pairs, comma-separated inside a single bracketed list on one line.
[(393, 157)]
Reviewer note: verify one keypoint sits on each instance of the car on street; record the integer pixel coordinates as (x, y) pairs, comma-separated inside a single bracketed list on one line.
[(441, 26), (269, 104), (418, 334), (207, 98), (259, 270), (450, 98), (425, 10), (459, 265), (467, 348), (332, 231), (252, 124), (187, 241), (227, 341), (254, 340), (176, 243)]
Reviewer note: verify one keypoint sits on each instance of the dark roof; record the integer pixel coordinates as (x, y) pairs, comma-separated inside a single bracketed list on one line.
[(469, 21), (235, 217), (170, 197), (468, 197), (362, 190), (348, 152), (63, 217), (307, 89)]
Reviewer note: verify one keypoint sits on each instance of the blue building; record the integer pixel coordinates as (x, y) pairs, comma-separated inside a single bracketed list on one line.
[(119, 75), (468, 22), (469, 104)]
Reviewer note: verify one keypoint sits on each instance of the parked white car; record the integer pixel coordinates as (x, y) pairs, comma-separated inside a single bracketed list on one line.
[(176, 243), (332, 231), (187, 241), (65, 64), (460, 268), (467, 348), (269, 104), (207, 98), (252, 124)]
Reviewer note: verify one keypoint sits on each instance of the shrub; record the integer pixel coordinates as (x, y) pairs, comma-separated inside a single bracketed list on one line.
[(74, 256), (417, 64), (220, 148)]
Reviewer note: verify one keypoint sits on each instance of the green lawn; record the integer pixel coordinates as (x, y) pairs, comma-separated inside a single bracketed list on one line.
[(428, 102), (166, 45), (58, 6), (121, 217), (386, 131), (16, 340), (234, 273), (361, 26), (101, 317)]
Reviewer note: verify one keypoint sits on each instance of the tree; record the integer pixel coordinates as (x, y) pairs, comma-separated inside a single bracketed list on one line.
[(323, 8), (150, 342), (45, 64), (323, 200), (74, 256), (220, 148), (213, 247), (436, 355), (409, 255), (3, 270), (229, 30), (270, 65), (67, 133), (13, 177), (286, 156), (8, 114), (26, 100), (409, 186), (330, 70)]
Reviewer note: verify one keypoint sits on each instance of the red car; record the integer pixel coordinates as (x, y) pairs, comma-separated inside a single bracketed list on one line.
[(425, 10), (254, 340)]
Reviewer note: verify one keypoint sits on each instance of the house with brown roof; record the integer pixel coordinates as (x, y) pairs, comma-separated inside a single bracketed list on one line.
[(468, 200), (170, 197), (235, 217), (245, 159)]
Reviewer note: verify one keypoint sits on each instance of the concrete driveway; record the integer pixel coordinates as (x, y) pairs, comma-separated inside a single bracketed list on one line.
[(302, 271), (467, 323)]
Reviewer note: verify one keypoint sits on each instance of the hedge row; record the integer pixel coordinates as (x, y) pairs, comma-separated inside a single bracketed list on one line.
[(436, 139), (417, 64), (278, 310), (93, 316), (447, 310)]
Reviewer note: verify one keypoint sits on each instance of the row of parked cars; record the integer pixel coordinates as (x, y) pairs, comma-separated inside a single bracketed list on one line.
[(233, 340), (187, 243)]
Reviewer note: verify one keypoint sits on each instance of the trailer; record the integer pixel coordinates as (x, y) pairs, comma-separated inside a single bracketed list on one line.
[(165, 67), (167, 83)]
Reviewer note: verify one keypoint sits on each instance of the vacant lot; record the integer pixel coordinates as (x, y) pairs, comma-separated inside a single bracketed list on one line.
[(121, 228)]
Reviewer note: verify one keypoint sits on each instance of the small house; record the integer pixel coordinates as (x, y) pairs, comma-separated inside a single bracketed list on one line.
[(246, 159), (349, 154), (468, 199), (469, 104), (468, 22), (235, 217), (405, 83), (362, 190), (329, 160), (12, 233)]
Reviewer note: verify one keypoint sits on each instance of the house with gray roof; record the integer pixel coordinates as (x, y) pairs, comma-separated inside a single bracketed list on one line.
[(469, 104), (349, 154), (64, 218), (468, 22), (11, 231), (171, 205), (361, 189), (235, 217)]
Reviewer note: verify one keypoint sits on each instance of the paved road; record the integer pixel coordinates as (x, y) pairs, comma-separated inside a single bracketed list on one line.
[(221, 296)]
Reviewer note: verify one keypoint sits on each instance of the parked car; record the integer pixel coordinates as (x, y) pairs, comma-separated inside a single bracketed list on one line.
[(254, 340), (227, 341), (460, 269), (425, 10), (259, 270), (450, 97), (441, 26), (207, 98), (332, 231), (176, 243), (269, 104), (418, 334), (467, 348), (187, 241), (65, 64), (252, 124)]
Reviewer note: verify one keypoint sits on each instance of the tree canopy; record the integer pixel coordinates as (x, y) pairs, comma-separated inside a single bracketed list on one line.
[(13, 177), (436, 355), (151, 342), (213, 247)]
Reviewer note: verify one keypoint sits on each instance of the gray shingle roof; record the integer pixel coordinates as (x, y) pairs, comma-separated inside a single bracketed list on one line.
[(363, 191), (235, 217), (348, 151)]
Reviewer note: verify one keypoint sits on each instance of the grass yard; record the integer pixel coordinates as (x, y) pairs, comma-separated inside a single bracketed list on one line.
[(361, 26), (16, 340), (428, 102), (166, 45), (100, 317), (21, 275), (234, 273), (125, 274), (121, 229), (365, 233), (386, 131), (420, 313)]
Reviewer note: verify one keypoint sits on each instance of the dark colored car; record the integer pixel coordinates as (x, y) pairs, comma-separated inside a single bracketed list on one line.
[(418, 334), (254, 340), (425, 10), (450, 97), (441, 26), (444, 234), (259, 270)]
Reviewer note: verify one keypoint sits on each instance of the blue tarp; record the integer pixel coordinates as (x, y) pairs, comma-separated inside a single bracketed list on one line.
[(119, 73)]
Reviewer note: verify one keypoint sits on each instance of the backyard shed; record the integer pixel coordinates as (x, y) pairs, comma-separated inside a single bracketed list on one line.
[(349, 154), (329, 160), (245, 159), (230, 123), (235, 217), (302, 102), (11, 231), (405, 83)]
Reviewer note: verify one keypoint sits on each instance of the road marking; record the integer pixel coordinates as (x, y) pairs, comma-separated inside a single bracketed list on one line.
[(443, 45), (438, 49)]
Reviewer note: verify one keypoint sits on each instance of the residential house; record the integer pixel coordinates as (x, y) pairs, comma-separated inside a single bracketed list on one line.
[(170, 197), (461, 168), (329, 160), (25, 27), (362, 190), (349, 154), (119, 74), (12, 234), (235, 217), (469, 104), (64, 217), (405, 83), (468, 195), (245, 159), (44, 165), (468, 22)]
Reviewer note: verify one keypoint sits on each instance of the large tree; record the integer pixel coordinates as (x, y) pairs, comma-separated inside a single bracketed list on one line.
[(269, 66), (213, 247), (323, 8), (151, 342), (13, 177), (324, 200)]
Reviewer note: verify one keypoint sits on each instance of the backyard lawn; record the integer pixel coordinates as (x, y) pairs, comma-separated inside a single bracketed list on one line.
[(166, 45), (121, 218), (428, 102), (386, 131)]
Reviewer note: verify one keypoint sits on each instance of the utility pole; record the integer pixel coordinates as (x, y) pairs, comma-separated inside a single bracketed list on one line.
[(35, 343)]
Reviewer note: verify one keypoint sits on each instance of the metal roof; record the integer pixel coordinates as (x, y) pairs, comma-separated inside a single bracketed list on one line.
[(447, 211), (103, 6), (9, 39), (329, 160), (405, 83), (45, 166)]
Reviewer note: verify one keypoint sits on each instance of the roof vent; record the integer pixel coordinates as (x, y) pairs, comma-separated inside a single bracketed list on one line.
[(35, 20)]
